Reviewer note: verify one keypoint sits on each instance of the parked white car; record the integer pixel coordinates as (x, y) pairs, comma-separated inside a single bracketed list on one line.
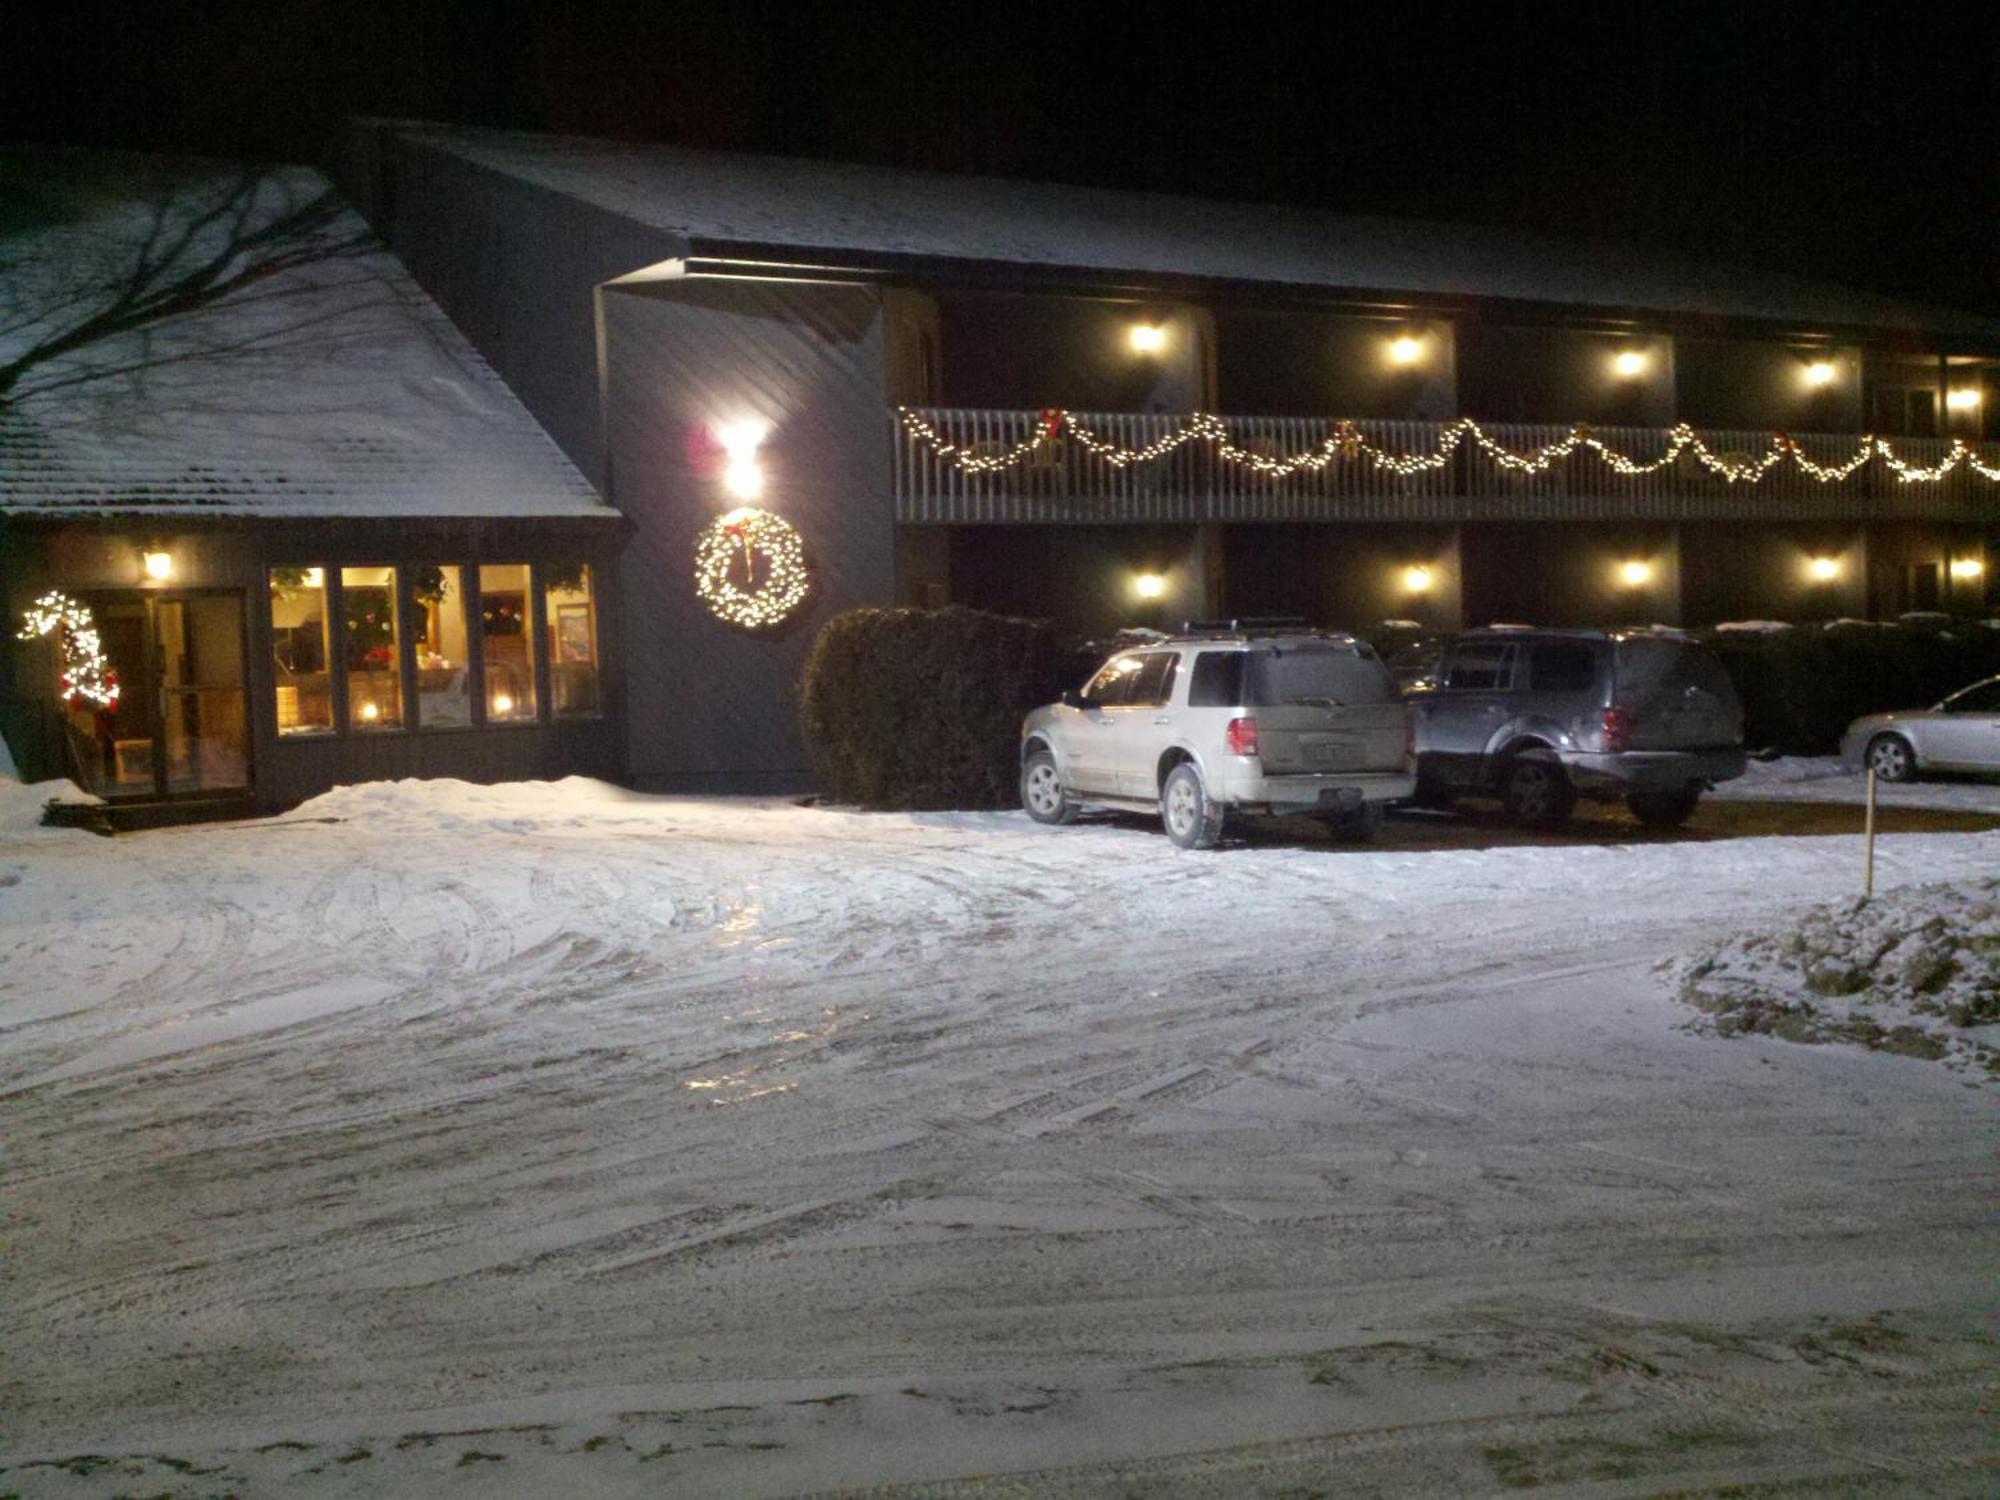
[(1240, 717), (1960, 734)]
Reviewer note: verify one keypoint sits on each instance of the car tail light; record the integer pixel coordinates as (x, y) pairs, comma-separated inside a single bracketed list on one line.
[(1241, 736), (1617, 730)]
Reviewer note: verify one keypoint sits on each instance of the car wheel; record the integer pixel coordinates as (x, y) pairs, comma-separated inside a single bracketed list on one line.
[(1664, 809), (1042, 791), (1191, 820), (1359, 825), (1537, 794), (1890, 757)]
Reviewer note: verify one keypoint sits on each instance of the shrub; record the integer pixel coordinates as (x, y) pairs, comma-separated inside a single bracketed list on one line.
[(1802, 687), (921, 709)]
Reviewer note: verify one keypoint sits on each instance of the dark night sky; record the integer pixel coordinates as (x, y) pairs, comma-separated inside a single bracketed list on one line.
[(1850, 143)]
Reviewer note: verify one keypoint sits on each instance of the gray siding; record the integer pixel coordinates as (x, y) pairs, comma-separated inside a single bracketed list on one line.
[(711, 707)]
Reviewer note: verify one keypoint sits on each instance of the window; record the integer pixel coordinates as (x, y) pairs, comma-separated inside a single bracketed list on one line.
[(1218, 680), (298, 645), (1112, 686), (1983, 699), (1562, 667), (1339, 676), (572, 627), (374, 673), (507, 639), (1480, 666), (444, 649), (1155, 681)]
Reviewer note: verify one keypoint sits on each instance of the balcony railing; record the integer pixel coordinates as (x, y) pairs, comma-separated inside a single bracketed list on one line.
[(1061, 480)]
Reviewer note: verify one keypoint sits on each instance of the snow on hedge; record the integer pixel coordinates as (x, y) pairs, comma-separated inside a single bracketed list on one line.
[(1915, 971)]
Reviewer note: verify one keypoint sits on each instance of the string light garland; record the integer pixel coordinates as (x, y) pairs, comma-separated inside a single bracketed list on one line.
[(86, 674), (766, 553), (1347, 443)]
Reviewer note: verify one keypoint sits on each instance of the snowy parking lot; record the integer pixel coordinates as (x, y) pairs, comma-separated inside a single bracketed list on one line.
[(549, 1139)]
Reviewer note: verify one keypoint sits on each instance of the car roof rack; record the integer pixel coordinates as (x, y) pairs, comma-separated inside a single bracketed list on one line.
[(1250, 627)]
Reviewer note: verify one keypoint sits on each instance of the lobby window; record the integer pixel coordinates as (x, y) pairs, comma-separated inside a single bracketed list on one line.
[(299, 647), (507, 638), (374, 675), (444, 648), (572, 628)]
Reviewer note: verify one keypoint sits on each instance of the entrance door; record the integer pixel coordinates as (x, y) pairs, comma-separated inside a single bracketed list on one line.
[(180, 725)]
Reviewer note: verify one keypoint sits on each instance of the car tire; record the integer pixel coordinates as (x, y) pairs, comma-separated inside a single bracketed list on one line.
[(1190, 818), (1666, 809), (1358, 826), (1043, 795), (1537, 794), (1891, 758)]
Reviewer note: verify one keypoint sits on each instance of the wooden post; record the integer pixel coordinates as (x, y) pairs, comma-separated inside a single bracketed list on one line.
[(1868, 866)]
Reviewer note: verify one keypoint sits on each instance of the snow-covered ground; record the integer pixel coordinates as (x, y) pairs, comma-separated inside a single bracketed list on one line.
[(550, 1139), (1809, 778)]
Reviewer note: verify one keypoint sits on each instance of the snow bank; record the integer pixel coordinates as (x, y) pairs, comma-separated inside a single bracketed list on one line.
[(1754, 627), (1915, 971), (22, 803), (1826, 778)]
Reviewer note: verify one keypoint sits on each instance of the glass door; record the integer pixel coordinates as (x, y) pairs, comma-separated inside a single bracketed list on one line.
[(204, 739), (179, 725)]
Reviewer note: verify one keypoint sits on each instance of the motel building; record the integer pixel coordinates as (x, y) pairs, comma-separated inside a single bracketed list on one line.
[(525, 456)]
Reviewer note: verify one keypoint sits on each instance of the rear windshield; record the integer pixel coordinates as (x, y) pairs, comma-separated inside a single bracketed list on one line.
[(1651, 668), (1340, 675)]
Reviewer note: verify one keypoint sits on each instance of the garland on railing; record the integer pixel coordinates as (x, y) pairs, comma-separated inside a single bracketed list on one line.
[(1347, 442)]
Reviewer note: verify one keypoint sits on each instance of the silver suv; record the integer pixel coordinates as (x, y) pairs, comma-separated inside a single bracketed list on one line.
[(1539, 718), (1253, 717)]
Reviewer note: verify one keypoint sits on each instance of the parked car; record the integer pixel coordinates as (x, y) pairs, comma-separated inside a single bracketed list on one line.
[(1227, 717), (1960, 734), (1540, 718)]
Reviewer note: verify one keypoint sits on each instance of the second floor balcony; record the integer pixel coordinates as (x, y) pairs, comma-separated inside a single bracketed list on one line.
[(965, 465)]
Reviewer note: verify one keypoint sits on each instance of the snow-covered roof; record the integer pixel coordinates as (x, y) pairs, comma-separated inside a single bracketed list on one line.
[(717, 199), (196, 336)]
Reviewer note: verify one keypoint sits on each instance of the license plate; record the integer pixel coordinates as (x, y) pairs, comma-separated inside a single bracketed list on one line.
[(1331, 754)]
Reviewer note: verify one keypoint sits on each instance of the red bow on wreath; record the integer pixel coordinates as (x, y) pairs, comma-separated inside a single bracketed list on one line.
[(1052, 420)]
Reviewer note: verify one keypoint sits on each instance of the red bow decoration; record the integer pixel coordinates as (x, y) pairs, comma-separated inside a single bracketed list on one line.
[(1782, 439), (1052, 420)]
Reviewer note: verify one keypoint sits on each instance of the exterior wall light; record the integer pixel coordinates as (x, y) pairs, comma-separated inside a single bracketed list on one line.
[(1148, 585), (1823, 569), (158, 566), (1405, 349), (1148, 338), (1628, 364), (742, 475), (1963, 398), (1635, 574), (1821, 372), (1417, 579), (1967, 567)]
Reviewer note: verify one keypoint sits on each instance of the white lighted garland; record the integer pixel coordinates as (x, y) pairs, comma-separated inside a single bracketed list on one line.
[(86, 675), (1347, 442), (773, 559)]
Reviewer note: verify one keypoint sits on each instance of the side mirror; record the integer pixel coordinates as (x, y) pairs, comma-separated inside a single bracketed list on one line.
[(1073, 698)]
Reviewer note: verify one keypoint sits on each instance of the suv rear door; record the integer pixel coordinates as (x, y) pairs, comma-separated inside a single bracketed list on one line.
[(1457, 721), (1325, 706), (1677, 695)]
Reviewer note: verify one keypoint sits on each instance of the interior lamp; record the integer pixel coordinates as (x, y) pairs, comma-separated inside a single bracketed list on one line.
[(370, 712), (1967, 567), (1963, 398)]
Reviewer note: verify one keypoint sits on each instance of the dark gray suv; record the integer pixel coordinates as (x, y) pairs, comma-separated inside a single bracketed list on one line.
[(1539, 718)]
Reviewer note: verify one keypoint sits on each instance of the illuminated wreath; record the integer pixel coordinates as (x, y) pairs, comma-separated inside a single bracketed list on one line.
[(750, 568), (86, 675)]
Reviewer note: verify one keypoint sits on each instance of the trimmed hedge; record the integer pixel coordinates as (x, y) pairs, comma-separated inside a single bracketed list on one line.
[(916, 709), (1802, 687)]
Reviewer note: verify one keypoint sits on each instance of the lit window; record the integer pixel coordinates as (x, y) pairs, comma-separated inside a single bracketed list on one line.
[(444, 656), (298, 649), (507, 639), (374, 677), (572, 625)]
